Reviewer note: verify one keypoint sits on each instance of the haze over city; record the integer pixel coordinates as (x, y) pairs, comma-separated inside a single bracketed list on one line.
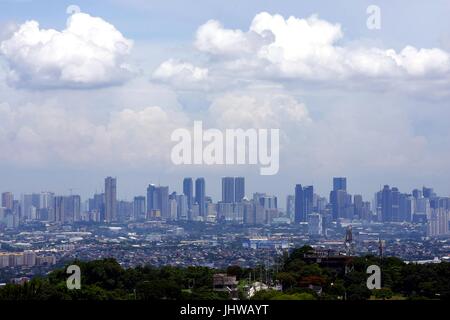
[(371, 105)]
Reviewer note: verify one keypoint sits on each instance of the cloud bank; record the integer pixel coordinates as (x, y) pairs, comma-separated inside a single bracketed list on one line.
[(89, 52)]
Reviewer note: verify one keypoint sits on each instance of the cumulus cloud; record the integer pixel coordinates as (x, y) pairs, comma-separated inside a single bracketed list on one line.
[(34, 135), (181, 74), (310, 49), (257, 108), (89, 52)]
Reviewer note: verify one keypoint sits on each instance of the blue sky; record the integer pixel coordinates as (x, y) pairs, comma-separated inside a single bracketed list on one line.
[(372, 115)]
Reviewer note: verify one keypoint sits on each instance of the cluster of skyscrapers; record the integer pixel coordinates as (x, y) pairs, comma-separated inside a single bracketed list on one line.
[(193, 204)]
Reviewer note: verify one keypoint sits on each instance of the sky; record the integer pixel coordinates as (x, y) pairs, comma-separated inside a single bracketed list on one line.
[(94, 89)]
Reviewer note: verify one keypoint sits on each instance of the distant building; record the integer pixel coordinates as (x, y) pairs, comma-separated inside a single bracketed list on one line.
[(200, 194), (228, 190), (188, 191), (239, 189), (315, 227), (110, 199), (7, 200), (139, 208)]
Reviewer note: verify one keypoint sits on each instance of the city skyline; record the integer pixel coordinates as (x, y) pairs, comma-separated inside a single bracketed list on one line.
[(233, 191), (66, 127)]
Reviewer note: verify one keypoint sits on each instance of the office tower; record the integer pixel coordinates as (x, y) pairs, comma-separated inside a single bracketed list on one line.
[(26, 206), (172, 209), (188, 191), (151, 198), (72, 209), (46, 200), (308, 193), (386, 204), (417, 193), (249, 212), (290, 207), (300, 213), (200, 196), (97, 206), (239, 189), (339, 184), (162, 201), (315, 224), (340, 200), (437, 223), (266, 201), (405, 207), (182, 207), (124, 210), (110, 199), (7, 200), (428, 192), (58, 209), (139, 208), (228, 190), (395, 204), (358, 205)]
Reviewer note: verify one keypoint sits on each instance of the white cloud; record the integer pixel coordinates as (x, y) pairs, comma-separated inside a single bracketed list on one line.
[(90, 52), (309, 49), (180, 74), (34, 135), (213, 38), (257, 108)]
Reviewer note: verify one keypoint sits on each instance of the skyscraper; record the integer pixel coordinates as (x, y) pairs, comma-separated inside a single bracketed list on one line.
[(110, 199), (228, 190), (300, 214), (239, 189), (7, 200), (200, 195), (290, 207), (308, 194), (162, 196), (58, 209), (339, 199), (151, 197), (188, 191), (139, 208), (386, 204), (339, 183)]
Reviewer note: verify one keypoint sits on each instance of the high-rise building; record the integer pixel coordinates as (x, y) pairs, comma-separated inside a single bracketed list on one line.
[(315, 224), (110, 199), (162, 195), (139, 208), (386, 204), (72, 208), (182, 207), (188, 191), (300, 212), (290, 207), (428, 192), (358, 205), (151, 198), (339, 183), (200, 196), (239, 189), (339, 199), (308, 193), (58, 209), (97, 206), (7, 200), (228, 190)]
